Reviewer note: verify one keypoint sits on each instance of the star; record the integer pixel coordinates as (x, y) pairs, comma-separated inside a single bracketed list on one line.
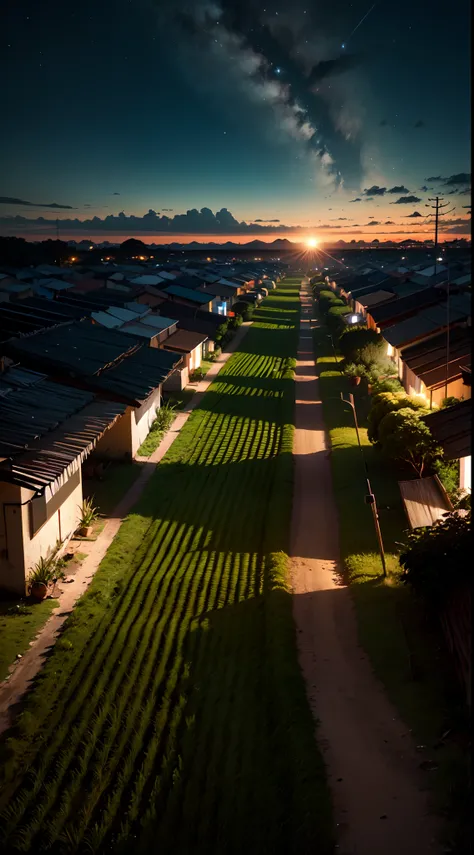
[(277, 70)]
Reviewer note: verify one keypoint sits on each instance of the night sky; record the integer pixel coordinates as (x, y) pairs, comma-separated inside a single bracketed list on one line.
[(258, 118)]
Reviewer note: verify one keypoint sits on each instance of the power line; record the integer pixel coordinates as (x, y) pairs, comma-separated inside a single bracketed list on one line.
[(438, 210)]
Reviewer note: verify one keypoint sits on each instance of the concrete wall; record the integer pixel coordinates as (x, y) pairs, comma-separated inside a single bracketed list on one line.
[(116, 443), (143, 418), (177, 381), (20, 546)]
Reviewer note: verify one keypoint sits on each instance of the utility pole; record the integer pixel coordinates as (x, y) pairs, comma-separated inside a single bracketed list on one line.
[(370, 497), (438, 209)]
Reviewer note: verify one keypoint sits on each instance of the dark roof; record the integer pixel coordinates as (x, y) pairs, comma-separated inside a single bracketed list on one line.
[(405, 306), (208, 322), (102, 359), (184, 341), (427, 359), (452, 429), (45, 427), (427, 321), (187, 294), (216, 290)]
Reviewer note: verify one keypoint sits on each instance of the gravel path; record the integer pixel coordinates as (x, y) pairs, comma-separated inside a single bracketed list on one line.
[(380, 805)]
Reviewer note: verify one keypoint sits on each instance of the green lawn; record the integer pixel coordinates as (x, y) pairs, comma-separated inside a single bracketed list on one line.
[(172, 715), (20, 621), (404, 647)]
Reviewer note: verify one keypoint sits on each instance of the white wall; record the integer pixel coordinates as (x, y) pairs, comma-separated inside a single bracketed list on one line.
[(25, 548), (143, 418), (465, 474)]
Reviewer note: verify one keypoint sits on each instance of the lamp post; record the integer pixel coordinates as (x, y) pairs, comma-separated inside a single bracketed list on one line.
[(370, 497)]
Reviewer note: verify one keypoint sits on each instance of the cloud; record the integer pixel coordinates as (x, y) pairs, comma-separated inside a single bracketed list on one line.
[(168, 209), (434, 178), (193, 222), (398, 189), (87, 205), (355, 200), (419, 124), (115, 194), (266, 221), (459, 178), (375, 191), (389, 223), (457, 230), (467, 206), (407, 200), (373, 223), (336, 219), (424, 189), (329, 67), (10, 200), (415, 214)]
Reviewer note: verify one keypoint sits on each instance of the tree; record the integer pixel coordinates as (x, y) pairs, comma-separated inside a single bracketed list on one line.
[(436, 559), (404, 436)]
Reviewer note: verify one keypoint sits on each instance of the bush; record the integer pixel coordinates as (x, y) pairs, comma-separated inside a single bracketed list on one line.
[(384, 403), (354, 339), (334, 317), (450, 401), (221, 331), (388, 385), (235, 323), (405, 437), (435, 562), (351, 369), (244, 309)]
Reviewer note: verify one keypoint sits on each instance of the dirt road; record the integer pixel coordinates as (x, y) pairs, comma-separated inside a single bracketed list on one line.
[(379, 805)]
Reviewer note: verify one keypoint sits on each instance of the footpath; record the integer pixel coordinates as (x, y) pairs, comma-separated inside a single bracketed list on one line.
[(380, 807)]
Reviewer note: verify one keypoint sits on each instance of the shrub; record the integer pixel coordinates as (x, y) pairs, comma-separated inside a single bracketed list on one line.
[(221, 331), (389, 385), (435, 560), (448, 473), (351, 369), (387, 402), (235, 322), (404, 436), (450, 401), (334, 317), (353, 339)]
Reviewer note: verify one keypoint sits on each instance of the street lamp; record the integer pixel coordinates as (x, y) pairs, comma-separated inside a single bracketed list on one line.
[(370, 497)]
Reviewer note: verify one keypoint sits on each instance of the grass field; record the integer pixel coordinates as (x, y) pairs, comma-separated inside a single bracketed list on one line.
[(172, 715), (20, 621), (403, 645)]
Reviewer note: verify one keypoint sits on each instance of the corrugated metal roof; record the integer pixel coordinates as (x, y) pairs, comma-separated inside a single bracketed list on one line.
[(159, 321), (451, 428), (140, 330), (53, 457), (427, 321), (122, 314), (375, 298), (425, 501), (427, 359)]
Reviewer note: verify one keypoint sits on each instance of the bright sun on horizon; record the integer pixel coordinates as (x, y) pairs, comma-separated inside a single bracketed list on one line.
[(312, 242)]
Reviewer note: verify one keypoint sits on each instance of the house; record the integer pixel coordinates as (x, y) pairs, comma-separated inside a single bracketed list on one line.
[(451, 428), (189, 345), (426, 323), (114, 365), (46, 431), (387, 313), (188, 296), (194, 320), (433, 367)]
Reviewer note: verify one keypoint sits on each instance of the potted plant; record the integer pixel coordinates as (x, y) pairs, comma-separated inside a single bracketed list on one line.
[(354, 373), (89, 514), (45, 571)]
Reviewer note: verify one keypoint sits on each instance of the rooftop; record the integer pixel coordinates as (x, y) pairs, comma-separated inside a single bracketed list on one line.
[(451, 428)]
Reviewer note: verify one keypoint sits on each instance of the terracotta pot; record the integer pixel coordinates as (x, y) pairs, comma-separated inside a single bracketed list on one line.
[(85, 531), (355, 381), (39, 590)]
